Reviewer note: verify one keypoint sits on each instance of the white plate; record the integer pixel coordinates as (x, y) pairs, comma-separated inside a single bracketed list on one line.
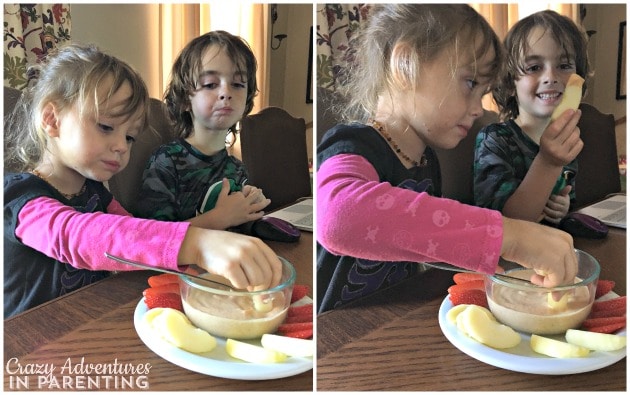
[(217, 362), (522, 358)]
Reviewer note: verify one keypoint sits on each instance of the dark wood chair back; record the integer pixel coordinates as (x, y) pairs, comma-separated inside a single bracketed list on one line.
[(598, 164), (274, 151)]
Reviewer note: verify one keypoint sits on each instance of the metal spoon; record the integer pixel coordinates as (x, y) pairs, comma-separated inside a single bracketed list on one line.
[(159, 269), (446, 266)]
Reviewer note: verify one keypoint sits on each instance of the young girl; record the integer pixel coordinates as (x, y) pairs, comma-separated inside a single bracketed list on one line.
[(526, 166), (420, 73), (73, 130), (213, 85)]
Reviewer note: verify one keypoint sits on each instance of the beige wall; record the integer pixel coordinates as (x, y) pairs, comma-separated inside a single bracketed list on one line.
[(603, 48), (289, 64), (131, 32), (128, 31)]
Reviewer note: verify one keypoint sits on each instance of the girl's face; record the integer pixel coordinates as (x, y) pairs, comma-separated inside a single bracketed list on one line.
[(95, 147), (445, 104), (547, 70), (221, 94)]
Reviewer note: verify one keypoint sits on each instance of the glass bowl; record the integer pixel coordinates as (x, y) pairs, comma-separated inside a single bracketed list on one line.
[(237, 314), (544, 311)]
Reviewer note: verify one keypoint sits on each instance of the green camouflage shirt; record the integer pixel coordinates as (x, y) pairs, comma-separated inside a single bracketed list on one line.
[(177, 177), (503, 155)]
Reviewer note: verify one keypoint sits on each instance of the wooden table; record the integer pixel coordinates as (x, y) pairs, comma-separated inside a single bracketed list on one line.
[(95, 325), (392, 341)]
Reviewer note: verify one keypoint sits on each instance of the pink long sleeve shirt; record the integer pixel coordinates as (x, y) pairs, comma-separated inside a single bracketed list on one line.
[(359, 216), (67, 235)]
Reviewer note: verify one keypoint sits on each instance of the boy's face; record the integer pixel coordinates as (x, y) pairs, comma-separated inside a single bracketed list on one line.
[(96, 147), (546, 72), (221, 93)]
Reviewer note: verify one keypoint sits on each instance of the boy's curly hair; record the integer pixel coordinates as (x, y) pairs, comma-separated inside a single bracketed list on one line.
[(569, 36), (188, 66)]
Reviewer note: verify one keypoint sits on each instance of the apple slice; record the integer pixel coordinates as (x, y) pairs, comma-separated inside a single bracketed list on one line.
[(452, 314), (557, 305), (252, 353), (571, 97), (478, 325), (595, 341), (288, 345), (174, 327), (556, 348)]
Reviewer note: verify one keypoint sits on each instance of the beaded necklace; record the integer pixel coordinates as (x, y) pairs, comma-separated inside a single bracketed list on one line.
[(68, 196), (381, 129)]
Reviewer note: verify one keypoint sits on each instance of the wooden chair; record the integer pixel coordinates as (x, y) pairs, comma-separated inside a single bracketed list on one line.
[(273, 148), (598, 166), (456, 165)]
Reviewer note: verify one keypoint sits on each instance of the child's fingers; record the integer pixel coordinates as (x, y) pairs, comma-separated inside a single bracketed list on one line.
[(225, 187)]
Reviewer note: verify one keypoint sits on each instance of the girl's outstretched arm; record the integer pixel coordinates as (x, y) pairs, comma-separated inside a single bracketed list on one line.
[(360, 216)]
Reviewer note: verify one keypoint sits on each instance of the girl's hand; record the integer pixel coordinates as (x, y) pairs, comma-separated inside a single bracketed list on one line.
[(547, 250), (560, 143), (245, 261), (558, 206)]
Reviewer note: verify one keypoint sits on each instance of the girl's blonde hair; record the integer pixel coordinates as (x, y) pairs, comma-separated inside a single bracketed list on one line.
[(68, 76), (428, 29), (569, 36), (188, 66)]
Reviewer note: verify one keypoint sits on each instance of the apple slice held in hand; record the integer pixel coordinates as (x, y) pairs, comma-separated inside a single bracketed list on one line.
[(571, 97)]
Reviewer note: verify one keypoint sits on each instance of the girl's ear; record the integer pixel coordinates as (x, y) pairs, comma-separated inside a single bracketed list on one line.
[(50, 120), (402, 64)]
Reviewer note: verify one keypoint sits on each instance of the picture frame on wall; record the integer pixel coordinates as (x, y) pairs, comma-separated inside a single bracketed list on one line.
[(621, 63), (309, 70)]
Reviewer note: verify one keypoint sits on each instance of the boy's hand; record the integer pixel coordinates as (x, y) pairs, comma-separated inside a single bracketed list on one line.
[(557, 206), (237, 208), (560, 143)]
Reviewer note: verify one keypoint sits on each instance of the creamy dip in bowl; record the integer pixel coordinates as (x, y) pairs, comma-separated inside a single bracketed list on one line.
[(540, 310), (237, 314)]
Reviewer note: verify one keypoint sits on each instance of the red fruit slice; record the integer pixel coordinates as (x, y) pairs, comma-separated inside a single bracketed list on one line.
[(474, 284), (603, 321), (612, 328), (603, 287), (171, 300), (461, 278), (305, 334), (162, 279), (162, 289), (468, 296), (608, 313), (306, 309), (610, 304), (299, 291), (295, 327), (299, 318)]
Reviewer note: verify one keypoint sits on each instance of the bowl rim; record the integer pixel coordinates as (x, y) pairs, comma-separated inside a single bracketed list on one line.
[(289, 282), (526, 287)]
